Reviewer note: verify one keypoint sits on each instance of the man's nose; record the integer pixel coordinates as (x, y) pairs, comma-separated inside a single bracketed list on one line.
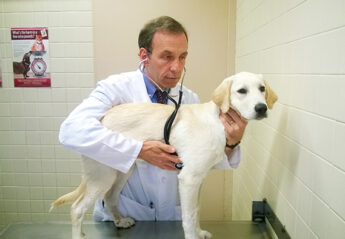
[(177, 66)]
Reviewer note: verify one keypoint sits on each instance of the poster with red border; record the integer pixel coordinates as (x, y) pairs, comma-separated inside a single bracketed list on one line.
[(0, 72), (31, 57)]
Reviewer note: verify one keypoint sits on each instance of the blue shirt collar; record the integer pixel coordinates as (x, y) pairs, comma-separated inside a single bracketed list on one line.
[(151, 88)]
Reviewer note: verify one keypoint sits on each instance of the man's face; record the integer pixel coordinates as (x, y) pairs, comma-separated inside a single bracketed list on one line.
[(166, 62)]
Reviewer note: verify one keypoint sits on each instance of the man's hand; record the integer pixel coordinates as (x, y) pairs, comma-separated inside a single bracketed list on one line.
[(234, 126), (159, 154)]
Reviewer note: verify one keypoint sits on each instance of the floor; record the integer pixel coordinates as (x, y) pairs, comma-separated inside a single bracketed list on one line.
[(147, 230)]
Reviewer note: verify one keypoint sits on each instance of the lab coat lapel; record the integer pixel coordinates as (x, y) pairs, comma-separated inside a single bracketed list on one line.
[(140, 92)]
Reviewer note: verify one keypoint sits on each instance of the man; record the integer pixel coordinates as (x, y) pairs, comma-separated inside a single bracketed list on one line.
[(151, 192)]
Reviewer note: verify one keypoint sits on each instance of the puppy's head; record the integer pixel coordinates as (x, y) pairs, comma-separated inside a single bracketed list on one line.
[(38, 38), (26, 57), (247, 93)]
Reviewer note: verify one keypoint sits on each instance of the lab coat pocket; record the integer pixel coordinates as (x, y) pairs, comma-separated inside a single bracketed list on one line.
[(131, 208)]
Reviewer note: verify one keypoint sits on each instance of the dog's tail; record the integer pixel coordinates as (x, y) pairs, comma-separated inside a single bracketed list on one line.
[(69, 197)]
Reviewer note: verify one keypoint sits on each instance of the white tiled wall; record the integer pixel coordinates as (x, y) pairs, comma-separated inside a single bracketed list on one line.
[(34, 168), (295, 158)]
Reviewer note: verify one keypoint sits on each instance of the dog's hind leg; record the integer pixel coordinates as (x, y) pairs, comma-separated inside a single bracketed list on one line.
[(189, 187), (111, 199), (82, 204)]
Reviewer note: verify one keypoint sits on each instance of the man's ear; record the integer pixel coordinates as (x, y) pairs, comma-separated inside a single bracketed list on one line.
[(143, 55), (221, 95), (271, 97)]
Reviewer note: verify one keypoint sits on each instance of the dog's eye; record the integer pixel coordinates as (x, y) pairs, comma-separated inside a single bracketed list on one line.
[(242, 91), (262, 88)]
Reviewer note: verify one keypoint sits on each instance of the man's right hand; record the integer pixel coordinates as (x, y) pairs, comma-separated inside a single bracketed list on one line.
[(159, 154)]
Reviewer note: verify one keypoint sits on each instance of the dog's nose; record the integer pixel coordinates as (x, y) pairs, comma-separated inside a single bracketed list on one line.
[(261, 109)]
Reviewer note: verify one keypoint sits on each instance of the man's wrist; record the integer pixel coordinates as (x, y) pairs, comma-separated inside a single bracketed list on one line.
[(233, 145)]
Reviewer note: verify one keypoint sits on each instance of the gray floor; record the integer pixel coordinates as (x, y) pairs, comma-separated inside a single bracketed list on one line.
[(147, 230)]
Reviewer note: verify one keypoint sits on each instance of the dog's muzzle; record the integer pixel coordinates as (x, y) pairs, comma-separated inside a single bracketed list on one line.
[(261, 110)]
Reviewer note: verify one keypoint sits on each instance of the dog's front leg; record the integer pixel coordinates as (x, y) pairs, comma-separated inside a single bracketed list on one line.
[(189, 187)]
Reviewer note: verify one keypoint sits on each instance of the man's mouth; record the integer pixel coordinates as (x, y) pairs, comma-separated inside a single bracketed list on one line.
[(173, 78)]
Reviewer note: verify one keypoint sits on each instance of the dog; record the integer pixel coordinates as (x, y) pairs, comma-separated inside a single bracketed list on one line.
[(197, 134), (22, 67)]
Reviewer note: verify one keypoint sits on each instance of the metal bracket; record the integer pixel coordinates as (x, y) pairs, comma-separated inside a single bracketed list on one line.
[(261, 211)]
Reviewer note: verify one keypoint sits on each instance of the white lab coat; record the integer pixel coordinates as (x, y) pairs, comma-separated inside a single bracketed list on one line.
[(150, 193)]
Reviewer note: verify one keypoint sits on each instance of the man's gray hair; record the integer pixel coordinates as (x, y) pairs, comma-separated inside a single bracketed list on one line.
[(164, 24)]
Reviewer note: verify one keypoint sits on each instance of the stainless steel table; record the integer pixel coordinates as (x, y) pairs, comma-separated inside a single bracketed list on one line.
[(142, 230)]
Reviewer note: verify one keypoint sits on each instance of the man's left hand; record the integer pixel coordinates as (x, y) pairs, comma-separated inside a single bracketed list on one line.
[(234, 126)]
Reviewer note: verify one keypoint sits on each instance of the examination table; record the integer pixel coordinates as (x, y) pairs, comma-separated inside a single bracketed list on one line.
[(263, 220), (142, 230)]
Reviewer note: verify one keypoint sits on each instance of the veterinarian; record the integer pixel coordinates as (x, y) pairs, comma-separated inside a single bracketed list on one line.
[(151, 192)]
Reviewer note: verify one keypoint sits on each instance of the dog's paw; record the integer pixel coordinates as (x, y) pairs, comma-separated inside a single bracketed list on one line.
[(124, 222), (205, 234), (80, 236)]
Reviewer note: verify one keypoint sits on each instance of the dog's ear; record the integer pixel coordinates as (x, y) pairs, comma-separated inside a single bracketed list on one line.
[(221, 95), (271, 97)]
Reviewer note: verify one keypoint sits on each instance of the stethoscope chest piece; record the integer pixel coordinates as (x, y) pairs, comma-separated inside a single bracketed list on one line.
[(179, 166)]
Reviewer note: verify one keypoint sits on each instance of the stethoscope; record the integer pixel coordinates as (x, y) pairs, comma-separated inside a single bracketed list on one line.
[(170, 120)]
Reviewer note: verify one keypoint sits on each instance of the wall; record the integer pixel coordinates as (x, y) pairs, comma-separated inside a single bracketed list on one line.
[(34, 168), (295, 158), (210, 27)]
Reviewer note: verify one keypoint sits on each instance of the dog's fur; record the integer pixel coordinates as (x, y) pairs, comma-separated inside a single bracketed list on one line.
[(197, 134), (22, 67)]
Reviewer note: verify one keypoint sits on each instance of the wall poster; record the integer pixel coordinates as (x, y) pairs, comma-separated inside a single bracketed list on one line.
[(30, 57), (0, 72)]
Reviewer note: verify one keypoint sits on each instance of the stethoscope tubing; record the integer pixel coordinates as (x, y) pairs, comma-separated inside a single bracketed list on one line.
[(170, 120)]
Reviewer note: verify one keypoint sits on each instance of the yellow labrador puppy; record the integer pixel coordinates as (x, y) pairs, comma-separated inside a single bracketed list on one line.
[(199, 139)]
